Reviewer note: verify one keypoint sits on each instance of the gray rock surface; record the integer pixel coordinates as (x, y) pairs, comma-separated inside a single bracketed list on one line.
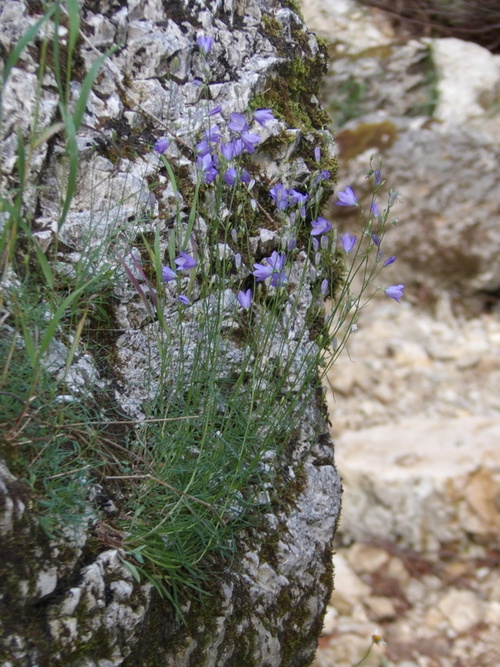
[(69, 600)]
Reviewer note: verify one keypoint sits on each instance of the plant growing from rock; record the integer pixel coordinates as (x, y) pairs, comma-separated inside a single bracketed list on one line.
[(227, 281)]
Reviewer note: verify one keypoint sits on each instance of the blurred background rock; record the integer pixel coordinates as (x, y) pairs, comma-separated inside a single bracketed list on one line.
[(415, 404)]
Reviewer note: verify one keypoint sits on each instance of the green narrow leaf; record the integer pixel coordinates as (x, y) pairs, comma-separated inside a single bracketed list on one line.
[(44, 265), (132, 569), (171, 174), (192, 216), (171, 248), (74, 32), (87, 84), (29, 342), (58, 315), (72, 149)]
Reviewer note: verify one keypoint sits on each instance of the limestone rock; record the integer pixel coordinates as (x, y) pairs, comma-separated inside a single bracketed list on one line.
[(441, 476), (91, 610), (465, 93)]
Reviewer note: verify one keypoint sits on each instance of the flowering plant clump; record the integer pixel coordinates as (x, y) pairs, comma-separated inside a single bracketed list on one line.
[(243, 336), (223, 310)]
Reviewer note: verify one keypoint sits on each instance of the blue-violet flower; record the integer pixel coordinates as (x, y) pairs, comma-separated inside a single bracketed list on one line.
[(161, 145), (237, 123), (250, 141), (348, 242), (279, 195), (347, 197), (320, 226), (322, 176), (262, 116), (395, 292), (185, 262), (205, 43), (245, 298), (167, 274), (231, 176)]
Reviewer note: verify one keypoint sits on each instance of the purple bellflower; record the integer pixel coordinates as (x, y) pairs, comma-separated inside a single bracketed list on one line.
[(279, 279), (231, 176), (237, 123), (297, 197), (262, 116), (183, 299), (262, 271), (277, 260), (205, 43), (208, 166), (185, 262), (317, 153), (213, 134), (214, 111), (322, 176), (161, 145), (320, 226), (395, 292), (167, 274), (245, 298), (227, 150), (389, 260), (250, 141), (348, 242), (374, 209), (232, 149), (347, 198), (376, 240), (203, 148), (279, 195), (324, 286), (272, 268)]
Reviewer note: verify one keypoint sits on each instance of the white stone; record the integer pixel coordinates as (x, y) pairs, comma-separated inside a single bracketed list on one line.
[(349, 588), (46, 582), (468, 75), (462, 609), (440, 475)]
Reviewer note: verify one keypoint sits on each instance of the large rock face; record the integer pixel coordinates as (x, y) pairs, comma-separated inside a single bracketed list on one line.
[(69, 599)]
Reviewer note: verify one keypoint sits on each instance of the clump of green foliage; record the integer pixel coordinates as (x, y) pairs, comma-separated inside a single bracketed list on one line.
[(235, 336)]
